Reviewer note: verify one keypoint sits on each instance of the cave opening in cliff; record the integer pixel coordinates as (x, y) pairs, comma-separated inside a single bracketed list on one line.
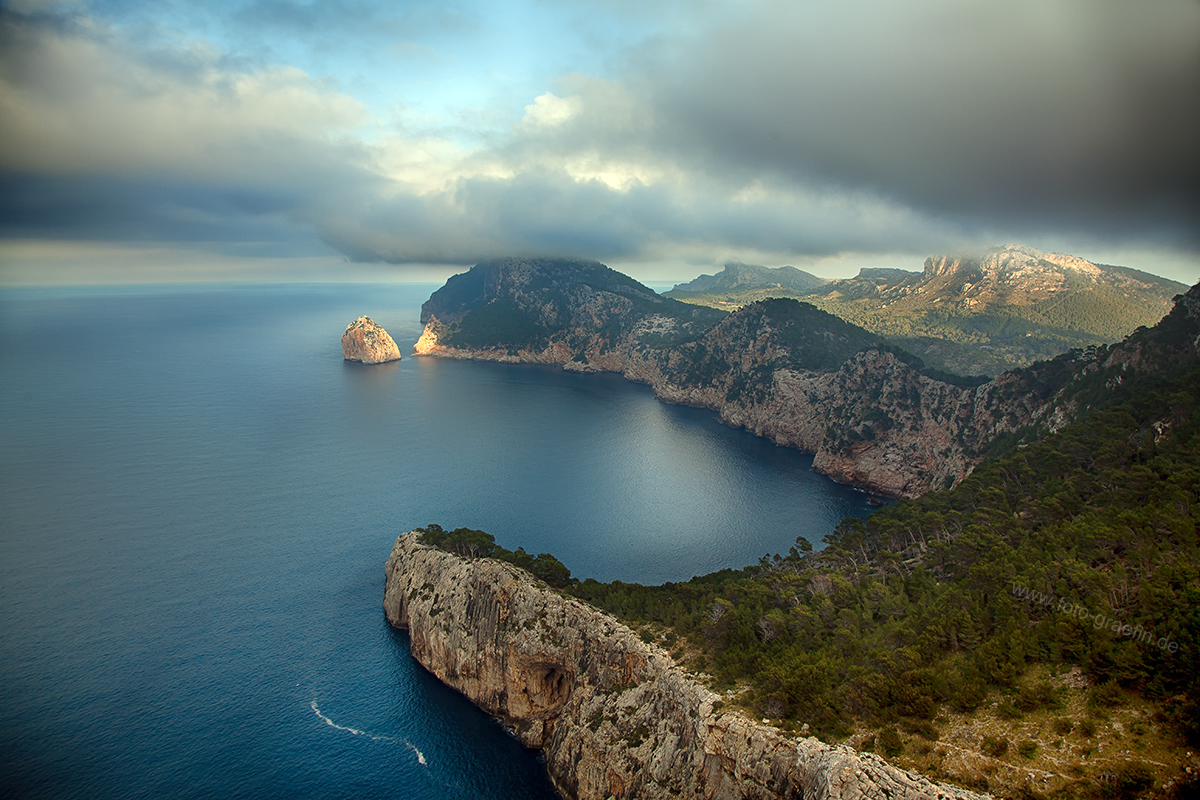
[(551, 687)]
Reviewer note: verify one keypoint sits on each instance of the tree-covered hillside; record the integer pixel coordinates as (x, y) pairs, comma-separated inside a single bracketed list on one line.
[(1079, 551), (527, 303), (1043, 617), (976, 315)]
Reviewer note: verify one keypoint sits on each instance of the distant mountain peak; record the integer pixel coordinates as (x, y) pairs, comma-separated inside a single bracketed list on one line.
[(884, 273), (1011, 260), (739, 276)]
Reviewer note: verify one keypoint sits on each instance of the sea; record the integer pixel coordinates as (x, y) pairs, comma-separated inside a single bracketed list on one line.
[(197, 498)]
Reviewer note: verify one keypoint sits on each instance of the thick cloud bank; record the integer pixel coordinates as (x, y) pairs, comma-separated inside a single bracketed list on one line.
[(1064, 113), (771, 128)]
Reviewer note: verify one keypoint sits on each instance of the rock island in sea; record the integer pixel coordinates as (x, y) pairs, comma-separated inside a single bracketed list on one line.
[(365, 341), (614, 716)]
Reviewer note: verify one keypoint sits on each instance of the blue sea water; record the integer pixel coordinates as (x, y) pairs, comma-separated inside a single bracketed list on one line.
[(197, 496)]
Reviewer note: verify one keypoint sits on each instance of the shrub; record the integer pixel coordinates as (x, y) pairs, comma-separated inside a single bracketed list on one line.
[(1007, 709), (477, 544), (1040, 695), (994, 746), (1105, 695), (890, 741), (921, 727)]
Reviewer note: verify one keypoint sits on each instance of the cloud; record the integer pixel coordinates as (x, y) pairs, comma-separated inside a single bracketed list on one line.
[(74, 100), (817, 127), (769, 130), (99, 138), (549, 110), (1041, 113)]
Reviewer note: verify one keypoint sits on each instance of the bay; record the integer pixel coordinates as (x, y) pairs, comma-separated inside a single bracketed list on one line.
[(197, 495)]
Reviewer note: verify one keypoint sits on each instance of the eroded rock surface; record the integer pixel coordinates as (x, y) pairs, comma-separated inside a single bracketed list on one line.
[(365, 341), (615, 717)]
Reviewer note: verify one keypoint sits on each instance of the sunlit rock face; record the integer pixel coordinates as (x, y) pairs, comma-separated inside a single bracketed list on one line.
[(367, 342), (615, 717)]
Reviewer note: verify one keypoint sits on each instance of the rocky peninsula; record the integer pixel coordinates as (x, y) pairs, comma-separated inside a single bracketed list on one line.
[(366, 341), (615, 717), (872, 414)]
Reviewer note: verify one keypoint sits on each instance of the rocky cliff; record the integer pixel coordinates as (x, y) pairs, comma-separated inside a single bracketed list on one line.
[(365, 341), (615, 718), (871, 414)]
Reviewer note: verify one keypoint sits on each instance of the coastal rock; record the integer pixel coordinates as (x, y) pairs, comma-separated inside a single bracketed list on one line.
[(615, 717), (366, 341)]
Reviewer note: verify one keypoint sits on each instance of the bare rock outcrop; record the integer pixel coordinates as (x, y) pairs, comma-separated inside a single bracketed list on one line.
[(365, 341), (615, 717)]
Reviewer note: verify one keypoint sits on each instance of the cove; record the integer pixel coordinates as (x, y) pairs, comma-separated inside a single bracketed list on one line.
[(197, 495)]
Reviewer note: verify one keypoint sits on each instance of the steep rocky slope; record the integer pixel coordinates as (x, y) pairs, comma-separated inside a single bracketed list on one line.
[(871, 414), (982, 314), (615, 717)]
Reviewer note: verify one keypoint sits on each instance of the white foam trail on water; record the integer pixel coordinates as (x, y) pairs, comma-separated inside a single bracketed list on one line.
[(316, 710), (355, 731)]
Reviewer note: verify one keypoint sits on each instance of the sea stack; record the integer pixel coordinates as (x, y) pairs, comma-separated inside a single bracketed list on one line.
[(367, 342)]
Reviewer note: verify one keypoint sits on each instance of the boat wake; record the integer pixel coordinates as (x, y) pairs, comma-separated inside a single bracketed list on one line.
[(420, 756)]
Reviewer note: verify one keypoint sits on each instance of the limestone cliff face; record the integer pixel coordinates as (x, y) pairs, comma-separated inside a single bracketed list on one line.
[(366, 341), (616, 718), (800, 377)]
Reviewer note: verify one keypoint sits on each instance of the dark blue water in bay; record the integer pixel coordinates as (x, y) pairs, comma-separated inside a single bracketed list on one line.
[(197, 496)]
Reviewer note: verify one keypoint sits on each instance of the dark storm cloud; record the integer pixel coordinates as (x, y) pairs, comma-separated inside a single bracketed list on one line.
[(787, 130), (547, 212), (1081, 113), (138, 209)]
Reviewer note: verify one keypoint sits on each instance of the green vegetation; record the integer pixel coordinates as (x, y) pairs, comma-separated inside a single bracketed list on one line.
[(500, 323), (988, 337), (817, 340), (1078, 553), (470, 543), (517, 304), (739, 277), (940, 600)]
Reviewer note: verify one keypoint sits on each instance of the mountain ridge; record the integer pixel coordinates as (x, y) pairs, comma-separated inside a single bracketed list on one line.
[(984, 313), (738, 275)]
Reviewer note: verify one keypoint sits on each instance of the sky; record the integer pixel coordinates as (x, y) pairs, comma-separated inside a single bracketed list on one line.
[(408, 140)]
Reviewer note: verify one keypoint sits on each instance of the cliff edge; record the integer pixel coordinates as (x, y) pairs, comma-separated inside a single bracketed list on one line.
[(615, 717)]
